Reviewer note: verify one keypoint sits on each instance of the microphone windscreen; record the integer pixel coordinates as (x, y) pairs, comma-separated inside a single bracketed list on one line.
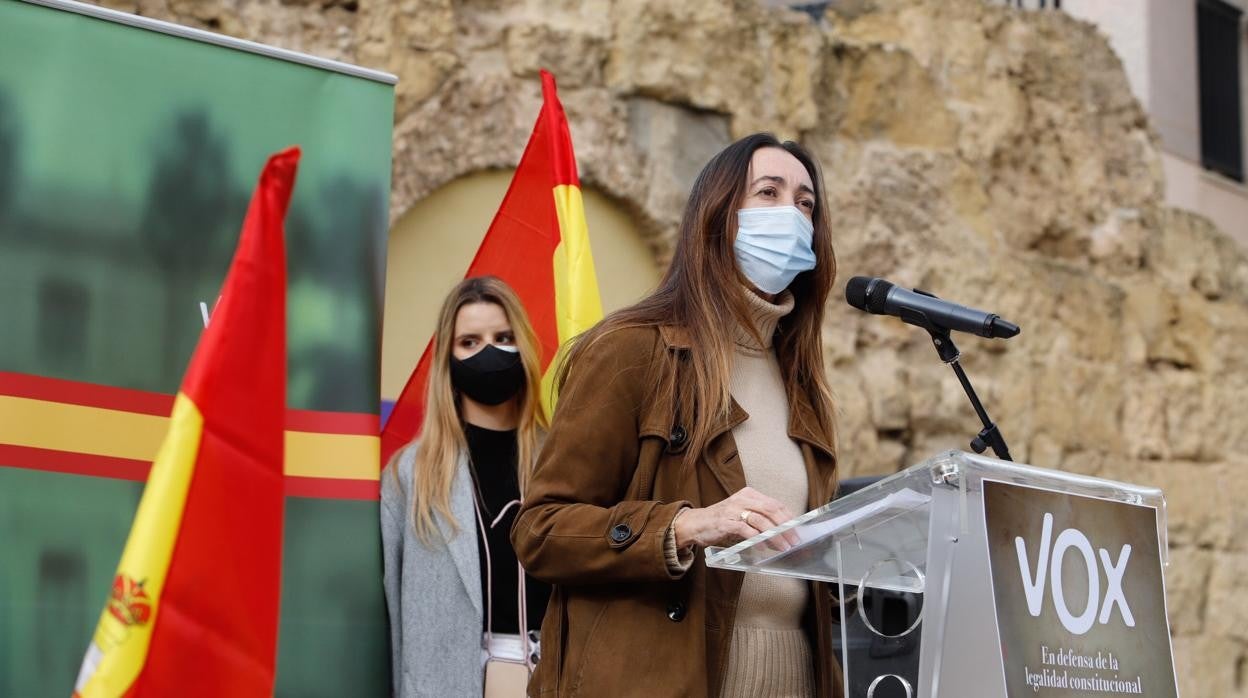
[(856, 292), (877, 299)]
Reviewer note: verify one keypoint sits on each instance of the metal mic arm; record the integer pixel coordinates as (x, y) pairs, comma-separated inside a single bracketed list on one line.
[(990, 436)]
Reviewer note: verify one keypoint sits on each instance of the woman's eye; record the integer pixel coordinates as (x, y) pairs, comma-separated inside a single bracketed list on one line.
[(506, 339), (467, 343), (769, 191), (807, 203)]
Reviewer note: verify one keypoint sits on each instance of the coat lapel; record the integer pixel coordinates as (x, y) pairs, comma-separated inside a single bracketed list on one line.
[(818, 450), (803, 427), (720, 447), (721, 452), (463, 545)]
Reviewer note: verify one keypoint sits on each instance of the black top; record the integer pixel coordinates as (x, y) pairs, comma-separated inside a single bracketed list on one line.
[(493, 455)]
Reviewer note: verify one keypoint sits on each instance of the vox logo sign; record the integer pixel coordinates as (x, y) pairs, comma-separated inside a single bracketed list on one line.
[(1072, 547)]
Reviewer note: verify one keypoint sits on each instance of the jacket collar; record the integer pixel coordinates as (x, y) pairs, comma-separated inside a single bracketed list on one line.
[(803, 424), (462, 544)]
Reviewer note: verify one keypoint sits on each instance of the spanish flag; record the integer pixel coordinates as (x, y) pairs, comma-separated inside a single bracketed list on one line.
[(539, 244), (193, 608)]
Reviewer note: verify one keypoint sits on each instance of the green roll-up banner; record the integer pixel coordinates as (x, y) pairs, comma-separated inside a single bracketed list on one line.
[(128, 150)]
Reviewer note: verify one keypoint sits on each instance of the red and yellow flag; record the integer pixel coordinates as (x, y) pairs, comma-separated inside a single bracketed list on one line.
[(539, 244), (194, 604)]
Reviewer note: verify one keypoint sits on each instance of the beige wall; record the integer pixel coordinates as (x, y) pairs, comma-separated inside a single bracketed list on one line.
[(1126, 24), (1174, 100), (1221, 200), (433, 242), (1156, 42), (1174, 107)]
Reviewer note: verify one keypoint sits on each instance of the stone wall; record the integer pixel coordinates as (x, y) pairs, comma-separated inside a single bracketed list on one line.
[(991, 155)]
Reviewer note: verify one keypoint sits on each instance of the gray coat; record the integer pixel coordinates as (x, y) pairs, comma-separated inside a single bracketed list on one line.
[(433, 593)]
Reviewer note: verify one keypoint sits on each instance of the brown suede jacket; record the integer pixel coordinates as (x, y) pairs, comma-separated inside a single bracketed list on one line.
[(608, 483)]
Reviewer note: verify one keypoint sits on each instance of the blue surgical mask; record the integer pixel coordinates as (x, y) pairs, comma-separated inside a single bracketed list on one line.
[(773, 246)]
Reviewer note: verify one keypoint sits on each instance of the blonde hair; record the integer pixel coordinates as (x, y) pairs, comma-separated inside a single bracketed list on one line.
[(441, 437)]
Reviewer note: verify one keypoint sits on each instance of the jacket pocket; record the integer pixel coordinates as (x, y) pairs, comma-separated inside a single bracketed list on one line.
[(548, 673), (578, 641), (639, 647)]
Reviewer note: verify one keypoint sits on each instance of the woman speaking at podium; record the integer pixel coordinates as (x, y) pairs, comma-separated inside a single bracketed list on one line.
[(698, 417), (447, 502)]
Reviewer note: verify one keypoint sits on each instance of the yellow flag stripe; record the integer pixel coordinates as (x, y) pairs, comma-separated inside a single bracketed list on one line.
[(93, 430), (118, 650), (577, 303), (120, 434), (346, 456)]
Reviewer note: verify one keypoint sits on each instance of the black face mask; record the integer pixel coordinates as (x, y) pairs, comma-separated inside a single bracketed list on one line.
[(491, 376)]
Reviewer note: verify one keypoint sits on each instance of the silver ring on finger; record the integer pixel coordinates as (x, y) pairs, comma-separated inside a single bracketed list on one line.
[(745, 516)]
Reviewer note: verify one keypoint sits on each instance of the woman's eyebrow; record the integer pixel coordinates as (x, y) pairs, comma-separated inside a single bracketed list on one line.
[(777, 179), (467, 335)]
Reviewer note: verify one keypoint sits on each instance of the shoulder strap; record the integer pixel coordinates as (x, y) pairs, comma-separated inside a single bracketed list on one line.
[(521, 597)]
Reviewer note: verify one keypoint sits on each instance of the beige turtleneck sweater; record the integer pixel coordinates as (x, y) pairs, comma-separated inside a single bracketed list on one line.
[(770, 653)]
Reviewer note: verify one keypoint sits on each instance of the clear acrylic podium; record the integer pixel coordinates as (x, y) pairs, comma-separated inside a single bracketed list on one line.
[(909, 559)]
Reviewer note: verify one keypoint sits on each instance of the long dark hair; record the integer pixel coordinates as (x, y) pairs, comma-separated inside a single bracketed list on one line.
[(703, 288)]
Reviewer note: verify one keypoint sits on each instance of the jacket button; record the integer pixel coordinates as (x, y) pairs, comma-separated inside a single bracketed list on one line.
[(678, 437), (676, 611), (621, 533)]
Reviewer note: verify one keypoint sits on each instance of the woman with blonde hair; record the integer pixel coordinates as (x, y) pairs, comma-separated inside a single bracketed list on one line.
[(453, 585)]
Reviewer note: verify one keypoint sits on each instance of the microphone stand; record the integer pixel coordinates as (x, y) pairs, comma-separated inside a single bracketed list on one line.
[(990, 436)]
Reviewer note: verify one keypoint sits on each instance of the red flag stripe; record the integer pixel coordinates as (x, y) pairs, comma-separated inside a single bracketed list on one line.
[(85, 394), (563, 160), (90, 465), (332, 488), (348, 423), (49, 460)]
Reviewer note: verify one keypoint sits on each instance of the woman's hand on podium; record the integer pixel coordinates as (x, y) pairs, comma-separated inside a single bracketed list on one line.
[(745, 514)]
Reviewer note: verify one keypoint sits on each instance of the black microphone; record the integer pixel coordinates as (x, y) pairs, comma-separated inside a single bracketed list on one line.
[(920, 308)]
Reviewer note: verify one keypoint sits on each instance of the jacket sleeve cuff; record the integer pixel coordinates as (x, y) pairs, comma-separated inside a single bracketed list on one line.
[(679, 560)]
